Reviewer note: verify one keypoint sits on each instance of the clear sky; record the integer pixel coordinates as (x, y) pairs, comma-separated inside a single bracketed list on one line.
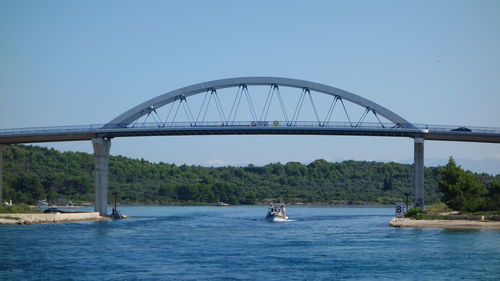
[(86, 62)]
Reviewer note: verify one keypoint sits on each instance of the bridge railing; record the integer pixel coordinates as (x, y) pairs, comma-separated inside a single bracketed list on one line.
[(312, 124), (458, 129), (50, 130), (276, 123), (96, 128)]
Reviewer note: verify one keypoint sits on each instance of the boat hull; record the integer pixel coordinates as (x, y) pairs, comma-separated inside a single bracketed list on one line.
[(276, 218)]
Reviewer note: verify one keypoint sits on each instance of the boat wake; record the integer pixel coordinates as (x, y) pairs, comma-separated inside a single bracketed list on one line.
[(287, 220)]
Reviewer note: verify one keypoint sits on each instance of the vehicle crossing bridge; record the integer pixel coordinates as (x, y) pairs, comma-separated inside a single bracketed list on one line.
[(233, 107)]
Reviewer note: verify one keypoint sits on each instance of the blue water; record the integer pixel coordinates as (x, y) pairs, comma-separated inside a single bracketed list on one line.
[(236, 243)]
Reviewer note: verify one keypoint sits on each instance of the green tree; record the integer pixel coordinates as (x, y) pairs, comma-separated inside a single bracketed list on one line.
[(462, 191), (70, 176), (29, 188), (168, 190), (250, 199), (387, 184), (494, 195), (187, 192)]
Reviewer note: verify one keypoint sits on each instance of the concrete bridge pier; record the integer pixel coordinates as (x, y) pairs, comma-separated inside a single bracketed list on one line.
[(1, 175), (419, 171), (101, 156)]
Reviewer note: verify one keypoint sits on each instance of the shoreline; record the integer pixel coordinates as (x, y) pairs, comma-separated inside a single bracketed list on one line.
[(50, 218), (454, 224)]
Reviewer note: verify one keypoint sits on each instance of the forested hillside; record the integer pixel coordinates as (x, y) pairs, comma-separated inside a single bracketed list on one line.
[(32, 173)]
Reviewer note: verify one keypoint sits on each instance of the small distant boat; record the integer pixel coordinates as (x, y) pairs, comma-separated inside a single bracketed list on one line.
[(220, 203), (42, 203), (276, 212)]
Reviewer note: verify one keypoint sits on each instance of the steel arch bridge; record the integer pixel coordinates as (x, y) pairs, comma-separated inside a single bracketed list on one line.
[(226, 100), (242, 83)]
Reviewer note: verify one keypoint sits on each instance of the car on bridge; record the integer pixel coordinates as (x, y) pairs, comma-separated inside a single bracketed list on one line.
[(461, 129)]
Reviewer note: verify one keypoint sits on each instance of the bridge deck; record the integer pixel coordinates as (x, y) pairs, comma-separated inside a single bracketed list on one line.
[(87, 132)]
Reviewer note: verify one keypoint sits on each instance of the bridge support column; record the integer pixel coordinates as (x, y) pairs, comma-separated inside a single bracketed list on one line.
[(101, 157), (1, 174), (419, 172)]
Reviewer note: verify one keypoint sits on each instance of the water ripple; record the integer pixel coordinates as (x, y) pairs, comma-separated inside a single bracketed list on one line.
[(237, 243)]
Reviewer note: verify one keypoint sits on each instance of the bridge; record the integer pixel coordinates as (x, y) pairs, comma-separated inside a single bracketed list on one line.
[(231, 107)]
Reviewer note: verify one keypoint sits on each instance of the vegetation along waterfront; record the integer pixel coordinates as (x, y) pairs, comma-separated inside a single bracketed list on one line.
[(33, 173), (463, 192)]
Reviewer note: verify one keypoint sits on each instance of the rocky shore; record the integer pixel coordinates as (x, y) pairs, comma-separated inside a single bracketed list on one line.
[(457, 224), (49, 218)]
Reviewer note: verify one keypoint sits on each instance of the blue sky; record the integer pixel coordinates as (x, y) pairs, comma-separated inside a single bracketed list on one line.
[(86, 62)]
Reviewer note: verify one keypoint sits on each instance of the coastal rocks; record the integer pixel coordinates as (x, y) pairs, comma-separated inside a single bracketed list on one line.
[(453, 217), (49, 218), (458, 224)]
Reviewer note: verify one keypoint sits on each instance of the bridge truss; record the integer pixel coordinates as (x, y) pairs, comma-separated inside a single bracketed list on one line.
[(262, 101)]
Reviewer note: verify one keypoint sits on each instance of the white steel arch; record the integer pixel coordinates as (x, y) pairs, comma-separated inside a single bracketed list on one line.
[(144, 108)]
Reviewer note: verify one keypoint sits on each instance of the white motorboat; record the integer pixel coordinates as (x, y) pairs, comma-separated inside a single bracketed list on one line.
[(276, 212)]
